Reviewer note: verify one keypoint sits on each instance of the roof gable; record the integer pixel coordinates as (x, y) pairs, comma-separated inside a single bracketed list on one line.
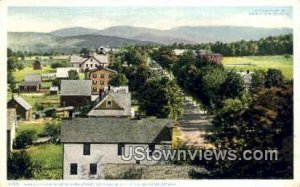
[(33, 78), (22, 102)]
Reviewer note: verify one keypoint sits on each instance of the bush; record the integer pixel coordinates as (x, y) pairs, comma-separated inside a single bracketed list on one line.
[(62, 64), (52, 130), (25, 138), (20, 165)]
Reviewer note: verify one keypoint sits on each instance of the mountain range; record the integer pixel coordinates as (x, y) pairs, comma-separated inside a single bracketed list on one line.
[(74, 38)]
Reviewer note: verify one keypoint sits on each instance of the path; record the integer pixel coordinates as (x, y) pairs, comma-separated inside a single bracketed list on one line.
[(195, 125)]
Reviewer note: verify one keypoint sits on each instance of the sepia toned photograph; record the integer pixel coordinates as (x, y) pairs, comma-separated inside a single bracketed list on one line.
[(140, 93)]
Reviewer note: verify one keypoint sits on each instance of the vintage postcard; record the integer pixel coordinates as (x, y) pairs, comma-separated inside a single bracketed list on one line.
[(149, 93)]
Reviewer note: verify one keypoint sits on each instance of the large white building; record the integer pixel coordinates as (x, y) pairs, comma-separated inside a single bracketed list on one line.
[(90, 143), (90, 62)]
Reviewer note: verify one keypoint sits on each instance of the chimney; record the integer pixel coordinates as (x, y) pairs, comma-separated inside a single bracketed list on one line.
[(248, 71)]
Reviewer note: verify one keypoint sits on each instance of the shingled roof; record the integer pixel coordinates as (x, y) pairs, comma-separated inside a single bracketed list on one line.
[(22, 102), (76, 87), (33, 78), (122, 98), (115, 130)]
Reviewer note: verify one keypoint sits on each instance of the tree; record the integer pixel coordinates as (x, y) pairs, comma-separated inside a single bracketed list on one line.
[(59, 64), (21, 166), (265, 124), (274, 77), (137, 76), (165, 57), (73, 75), (134, 56), (84, 52), (25, 138), (167, 96), (233, 86), (118, 80), (258, 80), (52, 130)]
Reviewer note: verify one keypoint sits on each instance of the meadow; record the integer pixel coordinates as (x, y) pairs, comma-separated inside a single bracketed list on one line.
[(281, 62)]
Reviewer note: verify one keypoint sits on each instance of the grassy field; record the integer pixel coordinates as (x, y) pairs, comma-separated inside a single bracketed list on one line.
[(37, 127), (261, 62), (19, 75), (51, 157), (49, 154)]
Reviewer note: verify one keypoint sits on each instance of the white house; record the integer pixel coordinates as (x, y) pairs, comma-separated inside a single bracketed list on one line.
[(91, 143), (90, 62)]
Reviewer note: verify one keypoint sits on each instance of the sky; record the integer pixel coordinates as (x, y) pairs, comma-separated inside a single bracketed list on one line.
[(47, 19)]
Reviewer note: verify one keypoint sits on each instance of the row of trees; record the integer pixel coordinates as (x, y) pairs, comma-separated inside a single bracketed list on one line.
[(272, 45), (147, 85)]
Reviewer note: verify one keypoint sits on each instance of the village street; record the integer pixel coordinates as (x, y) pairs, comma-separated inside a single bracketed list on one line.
[(195, 125)]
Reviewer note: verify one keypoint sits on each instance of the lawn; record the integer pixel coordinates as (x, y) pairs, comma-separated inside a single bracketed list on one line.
[(19, 75), (51, 158), (261, 62), (37, 127), (48, 154)]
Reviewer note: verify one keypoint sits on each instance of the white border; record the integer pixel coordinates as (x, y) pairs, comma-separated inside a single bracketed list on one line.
[(170, 3)]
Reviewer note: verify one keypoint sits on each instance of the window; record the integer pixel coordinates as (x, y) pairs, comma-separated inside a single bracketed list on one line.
[(109, 103), (93, 169), (95, 75), (102, 82), (137, 161), (91, 60), (102, 75), (121, 148), (94, 82), (151, 149), (87, 65), (73, 169), (91, 65), (86, 149)]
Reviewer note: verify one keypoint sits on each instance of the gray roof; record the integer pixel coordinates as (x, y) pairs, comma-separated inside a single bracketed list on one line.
[(121, 98), (115, 130), (22, 102), (74, 59), (11, 118), (76, 87), (77, 59), (33, 78)]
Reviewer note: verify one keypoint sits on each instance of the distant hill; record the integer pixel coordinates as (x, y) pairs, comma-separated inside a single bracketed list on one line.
[(184, 34), (43, 42), (74, 38)]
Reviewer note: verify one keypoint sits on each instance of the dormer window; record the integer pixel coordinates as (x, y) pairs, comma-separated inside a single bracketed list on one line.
[(109, 104)]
